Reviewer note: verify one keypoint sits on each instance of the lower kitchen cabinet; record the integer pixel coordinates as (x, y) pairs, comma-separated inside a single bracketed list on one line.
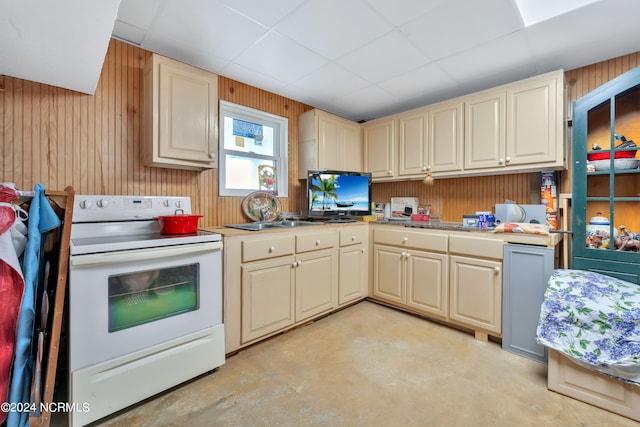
[(268, 294), (316, 283), (414, 279), (526, 274), (354, 264), (274, 281), (455, 277), (475, 283), (476, 293)]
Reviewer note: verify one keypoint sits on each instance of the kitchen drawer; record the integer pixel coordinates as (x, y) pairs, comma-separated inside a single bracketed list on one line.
[(353, 235), (314, 240), (272, 247), (411, 239), (476, 246)]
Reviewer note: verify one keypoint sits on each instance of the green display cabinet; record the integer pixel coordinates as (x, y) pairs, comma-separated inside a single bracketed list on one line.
[(606, 179)]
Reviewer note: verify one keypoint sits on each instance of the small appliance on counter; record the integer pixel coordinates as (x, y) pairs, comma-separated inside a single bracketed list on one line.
[(470, 221), (513, 212)]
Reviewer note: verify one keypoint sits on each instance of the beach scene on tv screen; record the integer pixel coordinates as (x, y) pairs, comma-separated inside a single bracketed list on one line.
[(339, 192)]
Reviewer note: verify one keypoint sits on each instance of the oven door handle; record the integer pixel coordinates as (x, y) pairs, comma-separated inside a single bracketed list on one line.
[(142, 254)]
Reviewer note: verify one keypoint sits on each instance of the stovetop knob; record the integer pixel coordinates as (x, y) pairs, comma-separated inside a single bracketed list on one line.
[(103, 203), (86, 204)]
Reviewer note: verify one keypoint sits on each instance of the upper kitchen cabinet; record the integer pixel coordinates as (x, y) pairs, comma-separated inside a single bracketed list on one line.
[(180, 111), (430, 140), (328, 142), (517, 127), (413, 154), (446, 132), (380, 148), (484, 143)]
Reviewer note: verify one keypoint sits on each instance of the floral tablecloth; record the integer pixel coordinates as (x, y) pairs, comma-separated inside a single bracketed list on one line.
[(595, 320)]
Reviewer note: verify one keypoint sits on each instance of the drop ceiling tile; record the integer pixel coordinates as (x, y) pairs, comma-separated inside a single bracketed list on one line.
[(492, 62), (364, 104), (459, 25), (206, 25), (280, 58), (399, 12), (128, 32), (252, 77), (333, 28), (328, 81), (384, 58), (595, 31), (64, 44), (266, 12), (424, 80), (139, 13)]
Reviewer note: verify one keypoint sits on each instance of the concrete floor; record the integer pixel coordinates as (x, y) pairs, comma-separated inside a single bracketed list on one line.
[(368, 365)]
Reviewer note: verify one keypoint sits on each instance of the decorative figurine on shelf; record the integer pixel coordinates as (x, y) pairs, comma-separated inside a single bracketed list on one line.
[(628, 240), (267, 179)]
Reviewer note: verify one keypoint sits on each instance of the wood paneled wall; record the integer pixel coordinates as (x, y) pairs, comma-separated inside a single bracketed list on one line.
[(59, 137)]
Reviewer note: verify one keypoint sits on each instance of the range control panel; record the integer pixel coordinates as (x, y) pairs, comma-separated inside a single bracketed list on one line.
[(100, 208)]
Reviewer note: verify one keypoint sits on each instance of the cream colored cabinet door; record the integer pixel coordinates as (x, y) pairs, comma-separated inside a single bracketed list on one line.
[(352, 148), (427, 282), (353, 273), (267, 299), (328, 142), (316, 283), (484, 141), (388, 273), (446, 131), (379, 139), (330, 154), (534, 127), (413, 145), (475, 298), (180, 112)]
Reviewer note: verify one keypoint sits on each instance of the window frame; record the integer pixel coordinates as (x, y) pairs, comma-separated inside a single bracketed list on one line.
[(280, 125)]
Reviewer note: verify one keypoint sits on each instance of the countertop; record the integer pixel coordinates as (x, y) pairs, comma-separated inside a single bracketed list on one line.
[(531, 239)]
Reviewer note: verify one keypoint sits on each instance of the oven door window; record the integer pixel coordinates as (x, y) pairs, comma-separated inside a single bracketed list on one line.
[(147, 296)]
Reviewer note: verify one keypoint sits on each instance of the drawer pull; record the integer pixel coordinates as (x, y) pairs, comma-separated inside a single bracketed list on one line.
[(353, 237), (405, 239), (318, 242), (272, 249)]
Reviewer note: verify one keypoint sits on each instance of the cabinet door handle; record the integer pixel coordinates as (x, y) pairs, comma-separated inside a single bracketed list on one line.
[(294, 264), (362, 250), (212, 155), (508, 159), (497, 269), (389, 172), (500, 161), (299, 264)]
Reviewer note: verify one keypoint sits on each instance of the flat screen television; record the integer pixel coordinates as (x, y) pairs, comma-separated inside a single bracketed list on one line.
[(338, 194)]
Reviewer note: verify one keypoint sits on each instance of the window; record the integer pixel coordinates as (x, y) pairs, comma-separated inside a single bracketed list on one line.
[(252, 143)]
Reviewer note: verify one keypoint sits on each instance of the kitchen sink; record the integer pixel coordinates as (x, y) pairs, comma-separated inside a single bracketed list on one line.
[(257, 226)]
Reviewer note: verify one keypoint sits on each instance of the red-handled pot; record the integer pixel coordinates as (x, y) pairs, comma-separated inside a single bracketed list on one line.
[(180, 223)]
